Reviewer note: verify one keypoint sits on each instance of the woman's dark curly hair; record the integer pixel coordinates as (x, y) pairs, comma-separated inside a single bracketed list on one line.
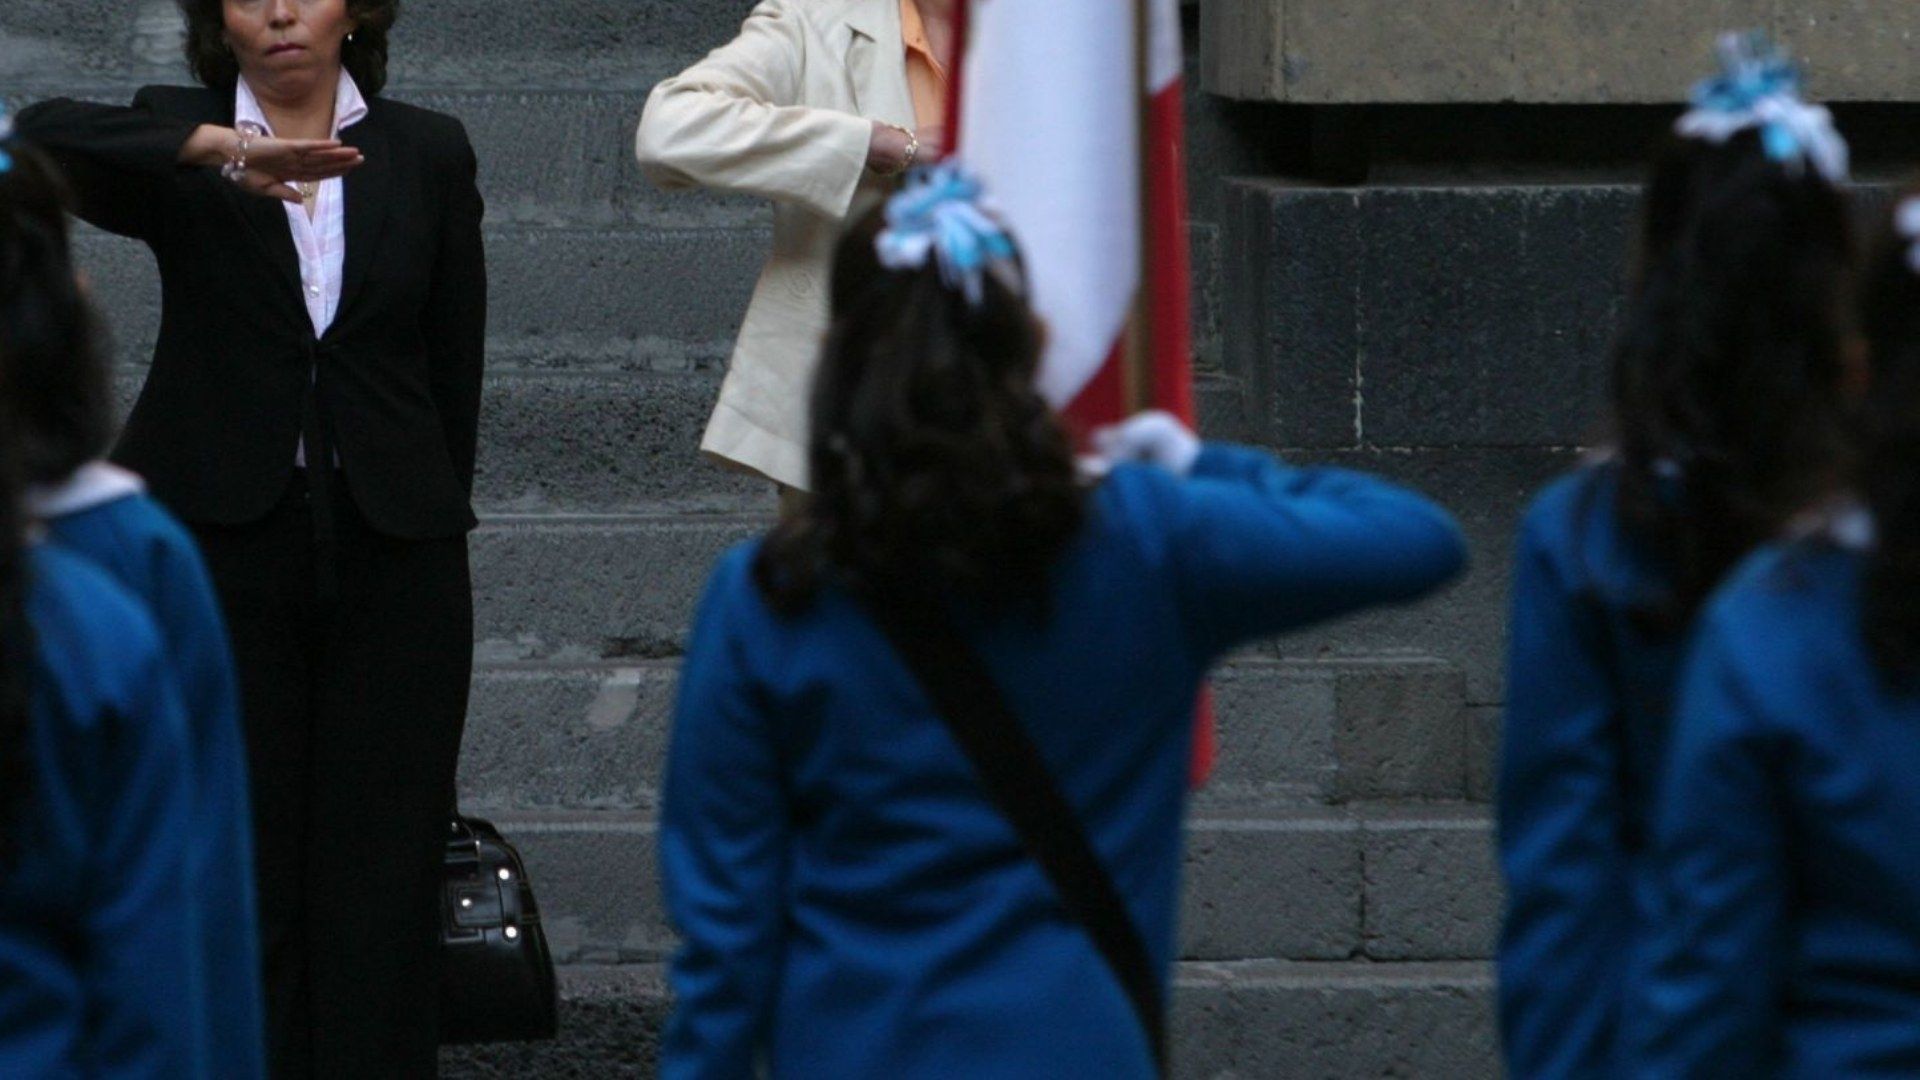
[(365, 57), (1728, 378), (1889, 475), (938, 469)]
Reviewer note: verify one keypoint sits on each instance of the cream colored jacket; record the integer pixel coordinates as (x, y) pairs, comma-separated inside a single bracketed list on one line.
[(784, 112)]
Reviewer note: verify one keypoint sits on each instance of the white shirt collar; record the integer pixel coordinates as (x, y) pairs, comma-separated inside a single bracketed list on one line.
[(94, 484), (1853, 528), (349, 106), (1843, 521)]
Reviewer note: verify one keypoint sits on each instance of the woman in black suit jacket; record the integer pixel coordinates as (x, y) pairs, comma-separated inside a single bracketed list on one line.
[(312, 416)]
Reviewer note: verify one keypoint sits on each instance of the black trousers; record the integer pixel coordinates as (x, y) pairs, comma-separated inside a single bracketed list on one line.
[(354, 697)]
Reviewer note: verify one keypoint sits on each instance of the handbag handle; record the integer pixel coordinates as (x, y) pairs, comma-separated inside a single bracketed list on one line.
[(1023, 789), (463, 843)]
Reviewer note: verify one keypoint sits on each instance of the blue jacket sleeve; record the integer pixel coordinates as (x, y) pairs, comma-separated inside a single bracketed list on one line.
[(1259, 548), (143, 979), (222, 856), (1560, 843), (1706, 1005), (723, 850)]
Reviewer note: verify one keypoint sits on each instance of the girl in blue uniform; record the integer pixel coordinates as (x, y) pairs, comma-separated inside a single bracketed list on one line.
[(851, 902), (98, 976), (59, 394), (1787, 850), (1726, 381)]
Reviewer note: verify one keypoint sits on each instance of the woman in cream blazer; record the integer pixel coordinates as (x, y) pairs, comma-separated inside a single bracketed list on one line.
[(787, 112)]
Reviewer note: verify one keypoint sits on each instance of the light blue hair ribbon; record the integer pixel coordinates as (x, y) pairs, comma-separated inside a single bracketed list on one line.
[(940, 215), (1759, 88), (6, 136)]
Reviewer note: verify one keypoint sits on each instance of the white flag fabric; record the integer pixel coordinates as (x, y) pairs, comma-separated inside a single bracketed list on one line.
[(1051, 120)]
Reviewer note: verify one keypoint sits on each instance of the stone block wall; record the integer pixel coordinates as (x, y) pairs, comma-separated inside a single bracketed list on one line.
[(1612, 52)]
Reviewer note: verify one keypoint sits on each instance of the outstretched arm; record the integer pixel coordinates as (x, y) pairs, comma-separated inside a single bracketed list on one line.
[(1260, 548), (121, 160)]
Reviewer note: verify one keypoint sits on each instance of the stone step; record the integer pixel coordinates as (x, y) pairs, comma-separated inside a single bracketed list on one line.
[(576, 440), (553, 587), (1257, 1019), (584, 441), (604, 440), (578, 588), (1374, 881), (625, 44), (647, 295), (594, 737), (635, 297)]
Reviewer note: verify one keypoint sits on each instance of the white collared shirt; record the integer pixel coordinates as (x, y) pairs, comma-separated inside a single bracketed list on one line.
[(320, 241)]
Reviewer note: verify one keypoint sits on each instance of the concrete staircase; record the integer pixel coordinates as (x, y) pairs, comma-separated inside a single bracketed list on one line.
[(1341, 899), (1338, 909)]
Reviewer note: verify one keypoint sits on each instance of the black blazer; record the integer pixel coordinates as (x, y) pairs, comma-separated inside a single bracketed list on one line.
[(216, 425)]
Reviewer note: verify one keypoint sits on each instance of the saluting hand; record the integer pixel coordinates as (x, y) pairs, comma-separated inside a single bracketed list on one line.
[(273, 165), (1153, 438)]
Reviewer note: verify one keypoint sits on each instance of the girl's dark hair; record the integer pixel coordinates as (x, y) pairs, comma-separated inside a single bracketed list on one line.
[(44, 337), (1728, 378), (938, 469), (59, 394), (365, 57), (16, 642), (1890, 463)]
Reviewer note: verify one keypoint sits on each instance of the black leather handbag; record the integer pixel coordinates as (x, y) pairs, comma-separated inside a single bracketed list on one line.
[(497, 982)]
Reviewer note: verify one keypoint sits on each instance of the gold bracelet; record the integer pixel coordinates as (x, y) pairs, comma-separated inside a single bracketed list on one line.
[(913, 149)]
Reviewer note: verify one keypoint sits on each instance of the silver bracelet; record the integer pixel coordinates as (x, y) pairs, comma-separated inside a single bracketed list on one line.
[(245, 132)]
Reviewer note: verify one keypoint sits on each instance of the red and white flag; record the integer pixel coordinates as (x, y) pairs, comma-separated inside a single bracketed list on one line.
[(1051, 116), (1075, 126)]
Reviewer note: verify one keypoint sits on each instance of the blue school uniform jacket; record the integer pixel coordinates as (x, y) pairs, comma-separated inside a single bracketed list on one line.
[(851, 903), (1589, 702), (1788, 844), (144, 549), (97, 924)]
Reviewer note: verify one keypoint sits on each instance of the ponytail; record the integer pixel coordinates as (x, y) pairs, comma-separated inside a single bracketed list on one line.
[(1727, 378), (937, 466)]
